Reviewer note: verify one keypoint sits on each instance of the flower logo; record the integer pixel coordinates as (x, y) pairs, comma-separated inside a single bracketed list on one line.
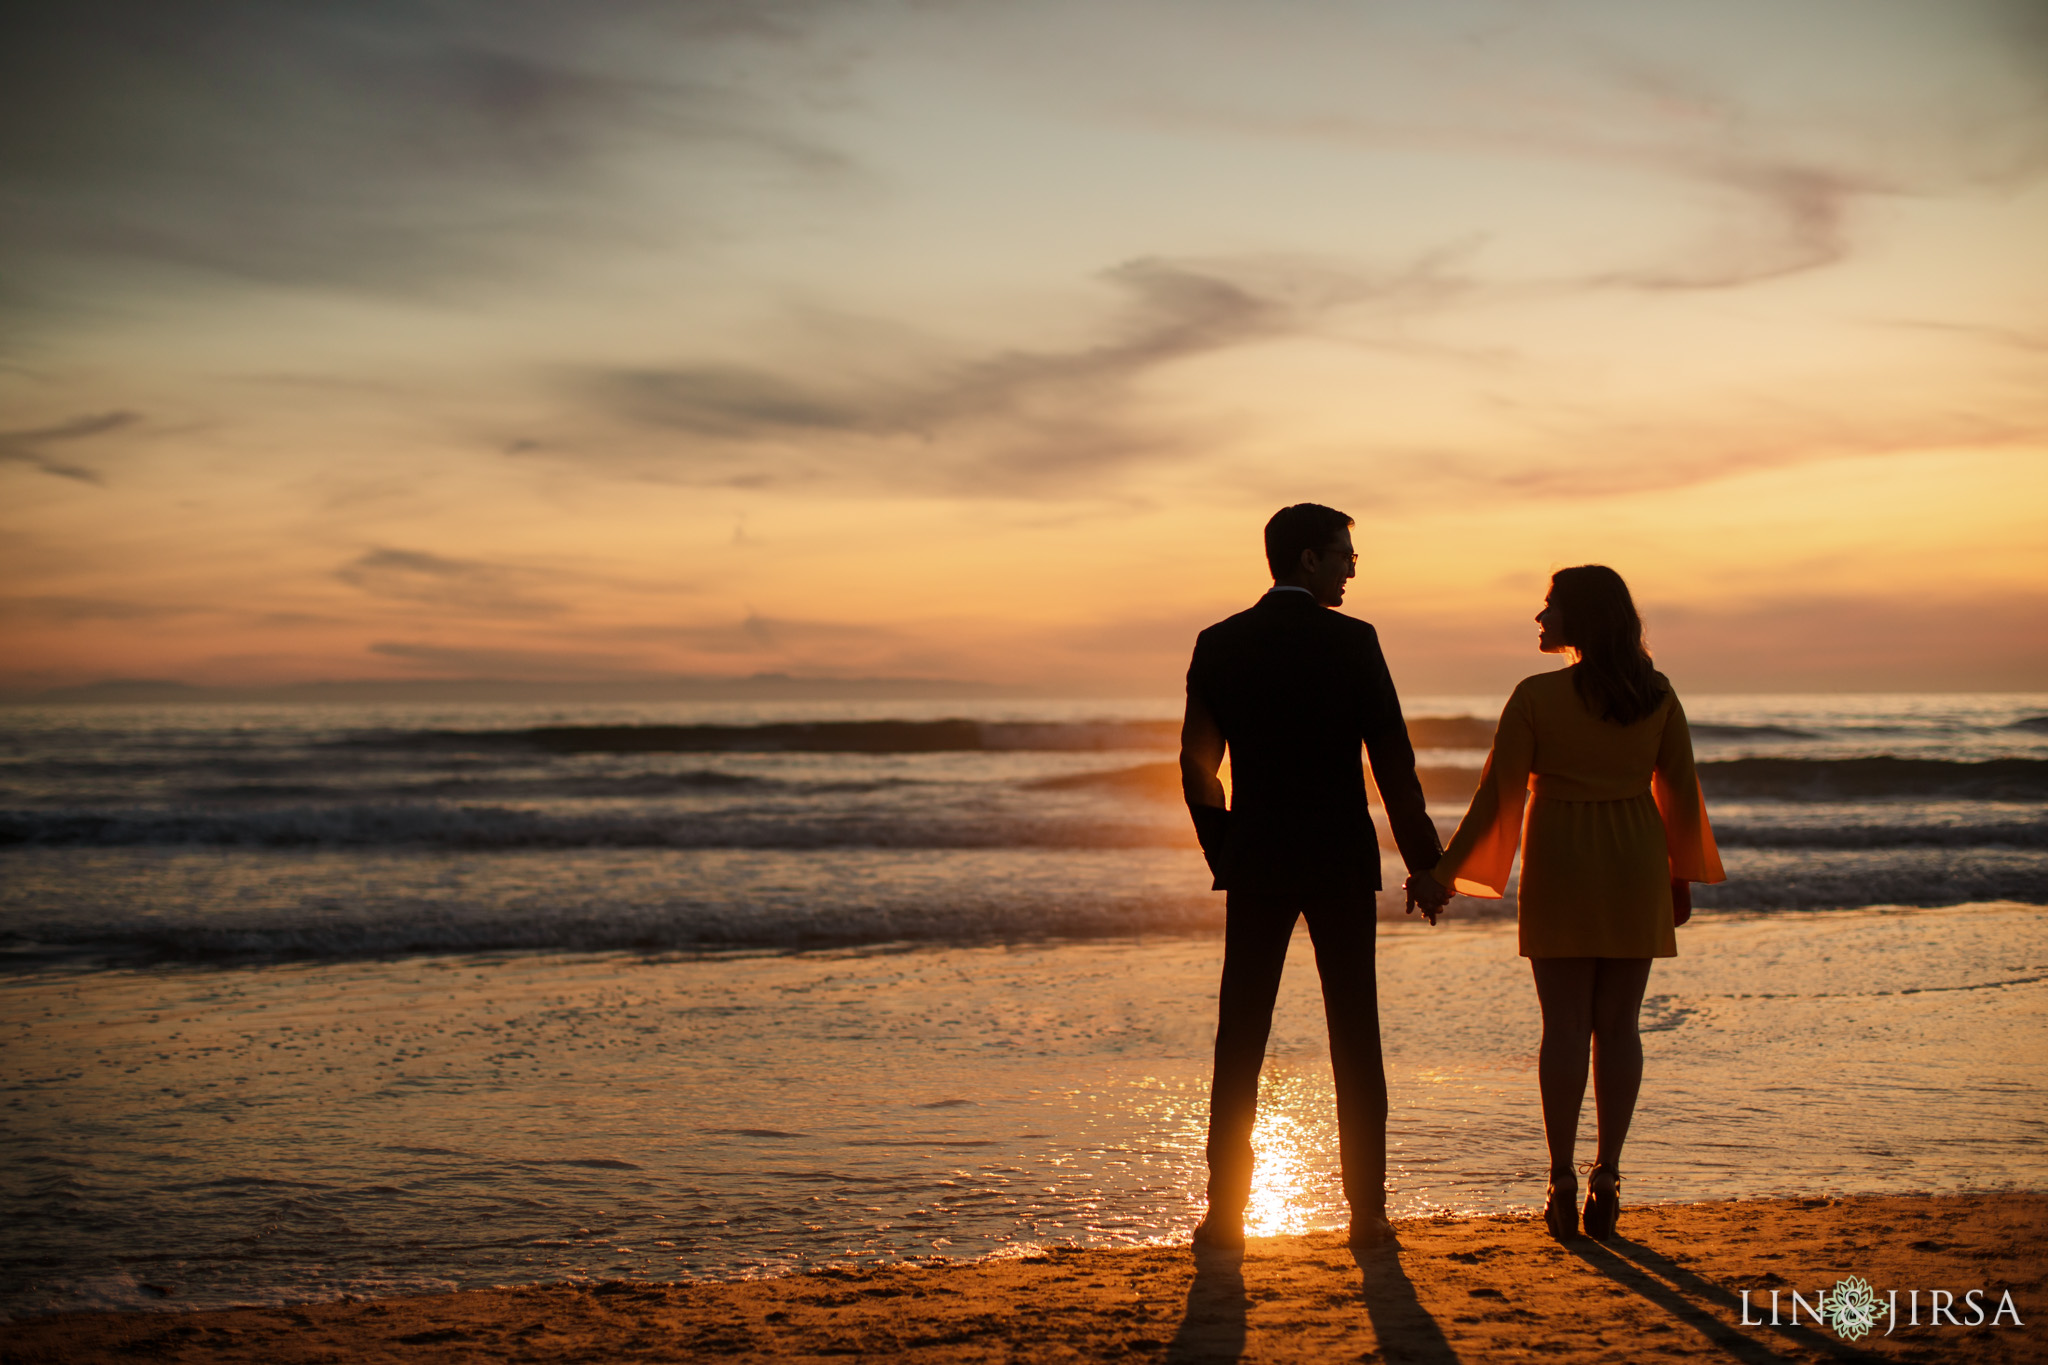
[(1851, 1307)]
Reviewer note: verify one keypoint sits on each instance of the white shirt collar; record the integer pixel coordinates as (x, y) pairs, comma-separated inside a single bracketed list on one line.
[(1288, 587)]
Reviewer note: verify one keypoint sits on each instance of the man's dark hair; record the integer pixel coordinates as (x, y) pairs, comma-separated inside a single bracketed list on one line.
[(1304, 526)]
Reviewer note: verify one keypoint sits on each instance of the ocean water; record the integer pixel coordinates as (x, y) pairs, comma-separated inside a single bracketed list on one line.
[(248, 833), (308, 1001)]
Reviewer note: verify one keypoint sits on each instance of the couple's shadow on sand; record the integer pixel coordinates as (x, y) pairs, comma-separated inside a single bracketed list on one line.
[(1708, 1308), (1213, 1327)]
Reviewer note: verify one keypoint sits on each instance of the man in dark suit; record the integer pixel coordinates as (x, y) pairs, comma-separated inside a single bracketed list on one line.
[(1290, 689)]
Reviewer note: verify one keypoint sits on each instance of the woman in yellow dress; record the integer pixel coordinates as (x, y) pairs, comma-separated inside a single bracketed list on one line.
[(1616, 828)]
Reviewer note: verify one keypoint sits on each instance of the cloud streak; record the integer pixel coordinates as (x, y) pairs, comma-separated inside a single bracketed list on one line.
[(366, 144), (1799, 222), (781, 637), (1016, 422), (546, 665), (1772, 171), (23, 447), (1176, 312), (68, 610), (462, 585), (1580, 455)]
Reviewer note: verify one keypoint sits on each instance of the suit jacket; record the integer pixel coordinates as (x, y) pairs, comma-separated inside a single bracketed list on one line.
[(1295, 688)]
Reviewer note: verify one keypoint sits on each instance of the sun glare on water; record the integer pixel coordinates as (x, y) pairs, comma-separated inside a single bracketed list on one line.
[(1295, 1181)]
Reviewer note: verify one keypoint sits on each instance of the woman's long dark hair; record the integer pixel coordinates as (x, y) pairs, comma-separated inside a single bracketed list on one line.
[(1598, 618)]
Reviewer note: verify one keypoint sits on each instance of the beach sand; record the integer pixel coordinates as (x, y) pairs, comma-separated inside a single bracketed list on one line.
[(1472, 1289)]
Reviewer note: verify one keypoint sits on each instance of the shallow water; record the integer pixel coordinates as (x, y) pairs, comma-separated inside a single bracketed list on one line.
[(269, 1133)]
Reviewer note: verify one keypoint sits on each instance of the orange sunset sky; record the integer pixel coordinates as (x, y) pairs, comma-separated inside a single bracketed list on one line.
[(976, 341)]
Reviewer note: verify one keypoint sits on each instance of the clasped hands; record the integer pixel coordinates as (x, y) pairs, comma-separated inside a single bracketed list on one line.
[(1426, 894)]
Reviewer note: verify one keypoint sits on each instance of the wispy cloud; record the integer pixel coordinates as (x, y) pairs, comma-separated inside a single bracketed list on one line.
[(1771, 169), (464, 585), (753, 643), (546, 665), (804, 647), (1765, 212), (332, 142), (1795, 220), (1013, 422), (1176, 311), (65, 610), (21, 447), (1983, 642), (2033, 340), (1575, 455), (781, 637)]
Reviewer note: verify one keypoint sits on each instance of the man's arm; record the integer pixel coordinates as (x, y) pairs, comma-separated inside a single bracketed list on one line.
[(1393, 768), (1201, 755)]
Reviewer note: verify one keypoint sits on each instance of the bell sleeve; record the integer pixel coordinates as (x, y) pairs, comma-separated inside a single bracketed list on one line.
[(1482, 852), (1675, 783)]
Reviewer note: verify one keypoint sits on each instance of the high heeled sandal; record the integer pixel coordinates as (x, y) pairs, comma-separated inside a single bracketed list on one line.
[(1603, 1200), (1561, 1207)]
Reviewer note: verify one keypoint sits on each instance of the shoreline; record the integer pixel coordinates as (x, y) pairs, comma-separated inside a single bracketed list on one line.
[(390, 1129), (1478, 1288), (26, 961)]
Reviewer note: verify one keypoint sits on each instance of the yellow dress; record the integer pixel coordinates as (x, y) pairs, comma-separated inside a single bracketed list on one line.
[(1617, 816)]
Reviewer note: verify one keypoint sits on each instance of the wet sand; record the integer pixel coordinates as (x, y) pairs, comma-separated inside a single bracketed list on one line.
[(1473, 1289), (296, 1132)]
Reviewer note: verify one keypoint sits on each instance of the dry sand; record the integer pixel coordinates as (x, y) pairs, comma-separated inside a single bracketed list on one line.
[(1479, 1289)]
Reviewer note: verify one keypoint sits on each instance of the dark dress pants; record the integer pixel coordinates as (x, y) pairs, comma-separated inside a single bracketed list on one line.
[(1257, 928)]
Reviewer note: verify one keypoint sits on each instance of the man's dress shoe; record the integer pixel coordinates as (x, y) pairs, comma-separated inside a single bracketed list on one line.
[(1370, 1230)]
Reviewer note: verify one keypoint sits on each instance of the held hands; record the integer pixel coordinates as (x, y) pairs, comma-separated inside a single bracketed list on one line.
[(1425, 894)]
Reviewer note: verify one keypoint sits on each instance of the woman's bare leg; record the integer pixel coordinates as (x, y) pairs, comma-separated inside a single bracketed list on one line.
[(1565, 990), (1617, 1003)]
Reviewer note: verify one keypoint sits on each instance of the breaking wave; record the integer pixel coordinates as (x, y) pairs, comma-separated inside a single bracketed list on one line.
[(203, 906), (934, 824), (1849, 779), (397, 825), (818, 737)]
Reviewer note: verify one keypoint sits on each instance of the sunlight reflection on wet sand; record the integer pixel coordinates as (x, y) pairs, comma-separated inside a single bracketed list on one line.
[(1291, 1143), (298, 1131)]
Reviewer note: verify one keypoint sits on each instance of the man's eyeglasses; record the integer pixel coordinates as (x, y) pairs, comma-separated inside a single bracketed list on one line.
[(1334, 553)]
